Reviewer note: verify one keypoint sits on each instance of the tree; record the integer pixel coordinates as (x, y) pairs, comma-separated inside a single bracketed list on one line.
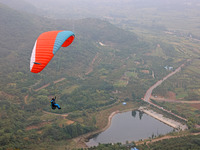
[(133, 96), (191, 123), (94, 120), (134, 113)]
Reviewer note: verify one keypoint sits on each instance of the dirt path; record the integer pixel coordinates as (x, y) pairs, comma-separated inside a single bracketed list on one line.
[(91, 64), (163, 138), (59, 80), (47, 122), (174, 100), (46, 85), (42, 87), (25, 99), (63, 115), (37, 126)]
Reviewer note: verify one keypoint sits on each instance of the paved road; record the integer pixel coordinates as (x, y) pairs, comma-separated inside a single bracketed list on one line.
[(149, 91), (147, 96)]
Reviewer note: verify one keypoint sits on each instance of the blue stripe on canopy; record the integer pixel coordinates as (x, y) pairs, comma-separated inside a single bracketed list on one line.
[(60, 39)]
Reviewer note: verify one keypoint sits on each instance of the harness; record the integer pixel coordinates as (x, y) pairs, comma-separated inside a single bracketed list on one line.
[(52, 104)]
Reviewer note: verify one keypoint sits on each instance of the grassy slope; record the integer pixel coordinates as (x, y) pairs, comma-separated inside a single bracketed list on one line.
[(124, 54)]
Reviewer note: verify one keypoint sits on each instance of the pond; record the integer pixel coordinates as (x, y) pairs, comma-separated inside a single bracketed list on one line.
[(130, 126)]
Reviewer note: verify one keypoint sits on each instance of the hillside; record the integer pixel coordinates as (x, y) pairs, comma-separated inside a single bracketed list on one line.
[(21, 5), (23, 124), (178, 15), (104, 66)]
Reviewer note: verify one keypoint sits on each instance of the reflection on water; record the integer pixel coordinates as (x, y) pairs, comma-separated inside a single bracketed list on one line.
[(130, 126)]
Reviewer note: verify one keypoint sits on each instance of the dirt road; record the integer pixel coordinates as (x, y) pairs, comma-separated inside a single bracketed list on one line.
[(163, 138), (63, 115), (46, 85), (91, 64), (173, 100)]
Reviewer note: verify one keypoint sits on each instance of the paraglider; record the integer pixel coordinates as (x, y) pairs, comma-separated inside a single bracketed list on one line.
[(46, 46), (53, 103)]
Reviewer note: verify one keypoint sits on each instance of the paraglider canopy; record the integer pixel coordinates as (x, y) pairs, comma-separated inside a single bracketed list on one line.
[(46, 46)]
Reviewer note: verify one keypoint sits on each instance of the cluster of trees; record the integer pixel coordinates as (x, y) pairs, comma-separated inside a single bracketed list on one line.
[(117, 146), (86, 99), (66, 132), (16, 118), (185, 142), (12, 125)]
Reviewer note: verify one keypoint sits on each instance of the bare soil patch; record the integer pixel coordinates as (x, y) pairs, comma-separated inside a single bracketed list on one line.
[(91, 64), (46, 85), (37, 126), (145, 71), (171, 95), (69, 122), (25, 99), (197, 106)]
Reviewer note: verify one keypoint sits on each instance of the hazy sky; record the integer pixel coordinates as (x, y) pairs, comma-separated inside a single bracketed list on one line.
[(158, 12)]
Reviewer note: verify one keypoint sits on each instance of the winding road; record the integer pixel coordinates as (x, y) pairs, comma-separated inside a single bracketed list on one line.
[(147, 96)]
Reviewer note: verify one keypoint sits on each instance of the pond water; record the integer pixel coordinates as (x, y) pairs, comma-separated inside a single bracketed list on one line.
[(130, 126)]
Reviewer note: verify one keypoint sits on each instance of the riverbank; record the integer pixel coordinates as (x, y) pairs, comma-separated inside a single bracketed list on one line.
[(160, 117)]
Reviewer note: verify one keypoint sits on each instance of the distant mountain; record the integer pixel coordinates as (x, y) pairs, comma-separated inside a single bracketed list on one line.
[(21, 5), (161, 15), (20, 30), (104, 8)]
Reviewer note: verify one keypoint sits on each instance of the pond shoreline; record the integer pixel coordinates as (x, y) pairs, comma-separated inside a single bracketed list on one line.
[(82, 140), (91, 134), (157, 116), (160, 117)]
